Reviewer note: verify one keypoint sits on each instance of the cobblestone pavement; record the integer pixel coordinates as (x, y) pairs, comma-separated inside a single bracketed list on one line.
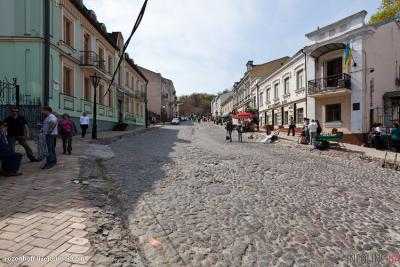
[(195, 200)]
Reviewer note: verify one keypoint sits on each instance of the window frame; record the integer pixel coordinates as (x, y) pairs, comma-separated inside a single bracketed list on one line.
[(68, 32), (300, 85), (276, 91), (329, 112), (286, 85), (68, 82)]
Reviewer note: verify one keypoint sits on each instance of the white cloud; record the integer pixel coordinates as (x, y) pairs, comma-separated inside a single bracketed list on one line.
[(202, 45)]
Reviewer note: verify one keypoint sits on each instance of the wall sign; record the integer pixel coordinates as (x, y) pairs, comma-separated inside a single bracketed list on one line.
[(356, 106)]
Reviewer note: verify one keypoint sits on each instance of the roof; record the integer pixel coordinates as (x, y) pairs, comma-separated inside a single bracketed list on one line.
[(86, 12), (135, 67), (267, 68), (362, 13)]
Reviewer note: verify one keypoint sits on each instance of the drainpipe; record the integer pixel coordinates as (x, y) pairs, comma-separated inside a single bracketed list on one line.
[(146, 111), (46, 63), (305, 77)]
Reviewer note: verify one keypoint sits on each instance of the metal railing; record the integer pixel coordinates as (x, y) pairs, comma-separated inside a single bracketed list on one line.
[(330, 83), (90, 58)]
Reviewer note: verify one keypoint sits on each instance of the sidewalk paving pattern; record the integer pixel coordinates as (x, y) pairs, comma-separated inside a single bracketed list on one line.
[(44, 214)]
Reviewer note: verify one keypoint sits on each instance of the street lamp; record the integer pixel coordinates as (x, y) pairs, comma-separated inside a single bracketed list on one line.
[(95, 82)]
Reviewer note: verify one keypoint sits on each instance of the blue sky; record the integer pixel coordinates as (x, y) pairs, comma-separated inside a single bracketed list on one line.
[(203, 45)]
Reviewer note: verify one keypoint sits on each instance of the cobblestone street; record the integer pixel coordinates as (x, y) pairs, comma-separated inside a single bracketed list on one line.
[(195, 200)]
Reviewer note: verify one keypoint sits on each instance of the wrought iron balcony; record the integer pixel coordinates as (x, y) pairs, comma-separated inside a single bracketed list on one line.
[(330, 83), (90, 58)]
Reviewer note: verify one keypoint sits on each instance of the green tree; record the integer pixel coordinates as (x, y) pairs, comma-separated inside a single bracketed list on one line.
[(388, 10)]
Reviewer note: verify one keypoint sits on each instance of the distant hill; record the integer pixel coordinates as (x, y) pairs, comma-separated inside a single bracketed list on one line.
[(198, 104)]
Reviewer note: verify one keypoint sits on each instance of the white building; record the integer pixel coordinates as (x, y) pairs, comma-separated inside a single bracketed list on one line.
[(216, 103), (282, 95), (349, 94)]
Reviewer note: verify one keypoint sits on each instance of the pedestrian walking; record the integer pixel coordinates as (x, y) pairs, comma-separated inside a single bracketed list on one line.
[(306, 131), (67, 130), (240, 132), (18, 131), (50, 130), (10, 161), (292, 126), (312, 128), (229, 129), (84, 123)]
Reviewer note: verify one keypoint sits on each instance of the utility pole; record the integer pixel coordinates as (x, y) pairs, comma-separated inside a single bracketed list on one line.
[(46, 65)]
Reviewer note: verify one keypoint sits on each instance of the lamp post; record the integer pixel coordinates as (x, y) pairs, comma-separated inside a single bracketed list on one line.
[(95, 82)]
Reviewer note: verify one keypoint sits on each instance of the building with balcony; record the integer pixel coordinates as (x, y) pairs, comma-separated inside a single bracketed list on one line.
[(352, 69), (282, 94), (243, 92), (80, 47)]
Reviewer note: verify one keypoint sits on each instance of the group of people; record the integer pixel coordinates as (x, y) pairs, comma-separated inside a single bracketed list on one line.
[(382, 139), (15, 129), (311, 131), (229, 129)]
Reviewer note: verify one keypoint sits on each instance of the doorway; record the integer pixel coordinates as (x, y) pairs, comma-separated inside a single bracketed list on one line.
[(120, 113), (334, 68)]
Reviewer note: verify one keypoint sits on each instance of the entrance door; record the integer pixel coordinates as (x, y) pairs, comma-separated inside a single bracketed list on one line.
[(86, 47), (119, 107), (333, 70)]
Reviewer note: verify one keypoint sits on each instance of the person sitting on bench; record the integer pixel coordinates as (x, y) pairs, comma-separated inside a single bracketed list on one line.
[(10, 161)]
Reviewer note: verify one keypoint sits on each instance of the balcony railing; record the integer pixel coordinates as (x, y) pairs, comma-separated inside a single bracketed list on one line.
[(90, 58), (330, 83)]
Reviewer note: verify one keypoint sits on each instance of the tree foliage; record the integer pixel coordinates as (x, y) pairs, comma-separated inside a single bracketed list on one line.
[(388, 10), (198, 104)]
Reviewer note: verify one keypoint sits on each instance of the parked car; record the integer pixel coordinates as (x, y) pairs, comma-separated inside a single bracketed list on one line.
[(175, 121)]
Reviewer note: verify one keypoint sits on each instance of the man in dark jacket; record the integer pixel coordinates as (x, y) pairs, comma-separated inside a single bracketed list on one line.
[(10, 161), (17, 130), (229, 129)]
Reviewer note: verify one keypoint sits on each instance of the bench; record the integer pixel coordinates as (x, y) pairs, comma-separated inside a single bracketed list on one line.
[(330, 138)]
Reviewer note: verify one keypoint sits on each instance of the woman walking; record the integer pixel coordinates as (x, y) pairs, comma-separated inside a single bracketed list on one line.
[(84, 122), (67, 131)]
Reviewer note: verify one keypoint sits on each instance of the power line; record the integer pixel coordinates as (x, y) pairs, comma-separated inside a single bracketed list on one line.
[(121, 57)]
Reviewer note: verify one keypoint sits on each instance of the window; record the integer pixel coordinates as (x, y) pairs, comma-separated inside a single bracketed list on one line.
[(276, 91), (286, 117), (87, 94), (268, 94), (68, 81), (101, 94), (110, 99), (133, 83), (261, 100), (286, 86), (68, 32), (101, 58), (299, 115), (127, 79), (110, 64), (333, 113), (299, 79)]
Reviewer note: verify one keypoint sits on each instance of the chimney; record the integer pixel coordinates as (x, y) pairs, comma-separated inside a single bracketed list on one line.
[(249, 65)]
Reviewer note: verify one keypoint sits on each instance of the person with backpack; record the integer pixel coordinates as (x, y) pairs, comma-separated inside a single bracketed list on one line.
[(67, 131)]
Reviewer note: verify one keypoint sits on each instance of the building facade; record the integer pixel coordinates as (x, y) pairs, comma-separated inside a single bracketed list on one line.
[(162, 100), (218, 104), (353, 74), (282, 95), (244, 91), (79, 47)]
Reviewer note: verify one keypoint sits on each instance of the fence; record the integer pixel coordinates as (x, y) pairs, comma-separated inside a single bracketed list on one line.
[(29, 107)]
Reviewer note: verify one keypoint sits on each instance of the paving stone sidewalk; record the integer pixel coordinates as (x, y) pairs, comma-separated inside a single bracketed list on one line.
[(44, 215)]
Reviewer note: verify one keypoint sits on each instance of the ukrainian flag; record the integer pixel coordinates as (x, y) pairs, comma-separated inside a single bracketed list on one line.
[(348, 53)]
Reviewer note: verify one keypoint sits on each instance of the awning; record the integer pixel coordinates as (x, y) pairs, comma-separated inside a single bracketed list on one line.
[(322, 50), (243, 115)]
